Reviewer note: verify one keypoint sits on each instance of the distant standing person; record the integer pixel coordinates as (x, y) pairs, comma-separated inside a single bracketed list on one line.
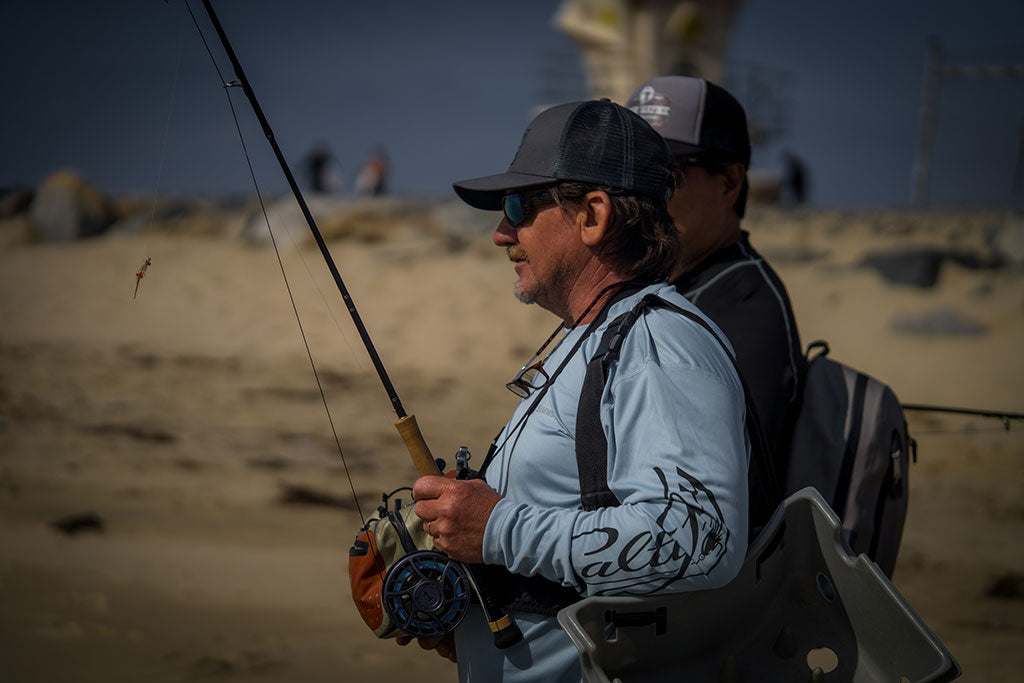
[(323, 170), (372, 179), (796, 179), (706, 131)]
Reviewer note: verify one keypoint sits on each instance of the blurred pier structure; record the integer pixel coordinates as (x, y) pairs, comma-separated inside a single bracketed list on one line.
[(625, 42), (935, 72)]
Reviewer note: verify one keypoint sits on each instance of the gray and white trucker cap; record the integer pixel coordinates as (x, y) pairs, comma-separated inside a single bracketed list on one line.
[(696, 117)]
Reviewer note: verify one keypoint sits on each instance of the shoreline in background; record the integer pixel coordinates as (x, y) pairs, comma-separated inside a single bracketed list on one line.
[(182, 417)]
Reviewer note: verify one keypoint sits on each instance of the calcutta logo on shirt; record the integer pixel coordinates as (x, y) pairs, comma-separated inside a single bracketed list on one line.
[(652, 105), (690, 543)]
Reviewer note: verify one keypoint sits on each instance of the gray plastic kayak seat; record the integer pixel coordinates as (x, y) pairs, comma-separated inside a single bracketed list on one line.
[(802, 609)]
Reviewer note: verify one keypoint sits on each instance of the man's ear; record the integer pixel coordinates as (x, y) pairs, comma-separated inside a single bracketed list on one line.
[(594, 217), (733, 182)]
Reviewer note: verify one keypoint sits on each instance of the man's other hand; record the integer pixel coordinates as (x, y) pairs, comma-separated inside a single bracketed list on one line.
[(445, 646)]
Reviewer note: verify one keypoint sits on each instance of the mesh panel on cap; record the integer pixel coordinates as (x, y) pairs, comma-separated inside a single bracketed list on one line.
[(607, 145), (592, 147)]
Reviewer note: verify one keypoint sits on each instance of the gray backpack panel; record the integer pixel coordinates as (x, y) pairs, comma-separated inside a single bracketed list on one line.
[(850, 442), (802, 608)]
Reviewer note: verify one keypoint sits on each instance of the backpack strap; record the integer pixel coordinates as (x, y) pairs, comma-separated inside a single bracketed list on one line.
[(592, 446)]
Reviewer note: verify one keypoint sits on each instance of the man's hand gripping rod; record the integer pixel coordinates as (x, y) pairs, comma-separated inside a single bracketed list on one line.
[(506, 632)]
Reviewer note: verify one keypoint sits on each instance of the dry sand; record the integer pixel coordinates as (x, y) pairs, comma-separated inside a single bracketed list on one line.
[(177, 418)]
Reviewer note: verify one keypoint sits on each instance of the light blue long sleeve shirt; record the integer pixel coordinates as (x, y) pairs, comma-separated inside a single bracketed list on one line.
[(673, 415)]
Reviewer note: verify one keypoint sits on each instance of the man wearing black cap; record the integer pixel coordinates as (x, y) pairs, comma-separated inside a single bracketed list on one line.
[(706, 131), (584, 205)]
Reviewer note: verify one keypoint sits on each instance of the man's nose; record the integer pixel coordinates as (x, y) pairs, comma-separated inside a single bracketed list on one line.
[(505, 234)]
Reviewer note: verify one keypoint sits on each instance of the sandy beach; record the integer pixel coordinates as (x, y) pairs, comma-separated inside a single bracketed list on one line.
[(179, 418)]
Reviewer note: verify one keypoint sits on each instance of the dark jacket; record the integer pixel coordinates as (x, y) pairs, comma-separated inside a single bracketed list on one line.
[(741, 293)]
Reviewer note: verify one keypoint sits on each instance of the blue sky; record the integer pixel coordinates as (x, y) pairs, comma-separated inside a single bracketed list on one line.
[(124, 91)]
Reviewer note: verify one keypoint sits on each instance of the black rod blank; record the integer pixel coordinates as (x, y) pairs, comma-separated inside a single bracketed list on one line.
[(349, 303)]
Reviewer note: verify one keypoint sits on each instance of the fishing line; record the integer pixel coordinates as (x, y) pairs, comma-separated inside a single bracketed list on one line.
[(305, 264), (504, 629), (160, 166), (167, 130), (277, 252)]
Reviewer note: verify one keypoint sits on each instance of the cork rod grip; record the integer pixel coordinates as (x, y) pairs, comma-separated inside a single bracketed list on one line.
[(505, 631), (418, 450)]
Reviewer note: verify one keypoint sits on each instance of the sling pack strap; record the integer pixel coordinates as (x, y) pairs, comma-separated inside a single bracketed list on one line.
[(764, 490), (624, 289), (591, 444), (537, 594)]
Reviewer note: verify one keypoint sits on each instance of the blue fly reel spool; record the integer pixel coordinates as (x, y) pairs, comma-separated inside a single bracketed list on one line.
[(426, 594)]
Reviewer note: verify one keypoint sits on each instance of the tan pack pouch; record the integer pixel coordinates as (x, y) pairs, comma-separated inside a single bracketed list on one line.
[(397, 532)]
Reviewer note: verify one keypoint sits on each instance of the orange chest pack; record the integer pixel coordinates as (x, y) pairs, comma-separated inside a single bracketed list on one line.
[(400, 584)]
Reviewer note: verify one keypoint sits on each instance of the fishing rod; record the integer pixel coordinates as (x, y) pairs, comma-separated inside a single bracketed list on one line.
[(505, 630), (1004, 416)]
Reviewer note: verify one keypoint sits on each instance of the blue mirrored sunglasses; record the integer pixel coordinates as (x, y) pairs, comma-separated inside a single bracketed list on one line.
[(517, 206)]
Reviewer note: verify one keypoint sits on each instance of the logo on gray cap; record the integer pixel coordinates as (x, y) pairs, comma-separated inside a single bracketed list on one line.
[(651, 105)]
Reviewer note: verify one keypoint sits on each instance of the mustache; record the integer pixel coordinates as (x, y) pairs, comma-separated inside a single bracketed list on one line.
[(516, 253)]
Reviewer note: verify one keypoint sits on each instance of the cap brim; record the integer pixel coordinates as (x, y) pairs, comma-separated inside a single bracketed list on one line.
[(682, 149), (486, 193), (685, 149)]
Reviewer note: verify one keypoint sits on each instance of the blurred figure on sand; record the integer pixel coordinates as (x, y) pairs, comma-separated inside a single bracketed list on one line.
[(794, 181), (719, 271), (322, 167), (372, 179)]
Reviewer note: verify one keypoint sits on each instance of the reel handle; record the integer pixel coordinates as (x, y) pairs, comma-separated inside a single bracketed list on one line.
[(505, 631)]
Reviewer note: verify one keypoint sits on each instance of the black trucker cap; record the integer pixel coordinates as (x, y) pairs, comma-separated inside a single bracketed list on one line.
[(696, 117), (596, 141)]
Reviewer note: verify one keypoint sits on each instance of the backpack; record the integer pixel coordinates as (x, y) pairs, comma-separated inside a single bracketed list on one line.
[(849, 440)]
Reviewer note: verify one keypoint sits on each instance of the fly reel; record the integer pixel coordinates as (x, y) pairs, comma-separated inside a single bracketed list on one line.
[(426, 594)]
